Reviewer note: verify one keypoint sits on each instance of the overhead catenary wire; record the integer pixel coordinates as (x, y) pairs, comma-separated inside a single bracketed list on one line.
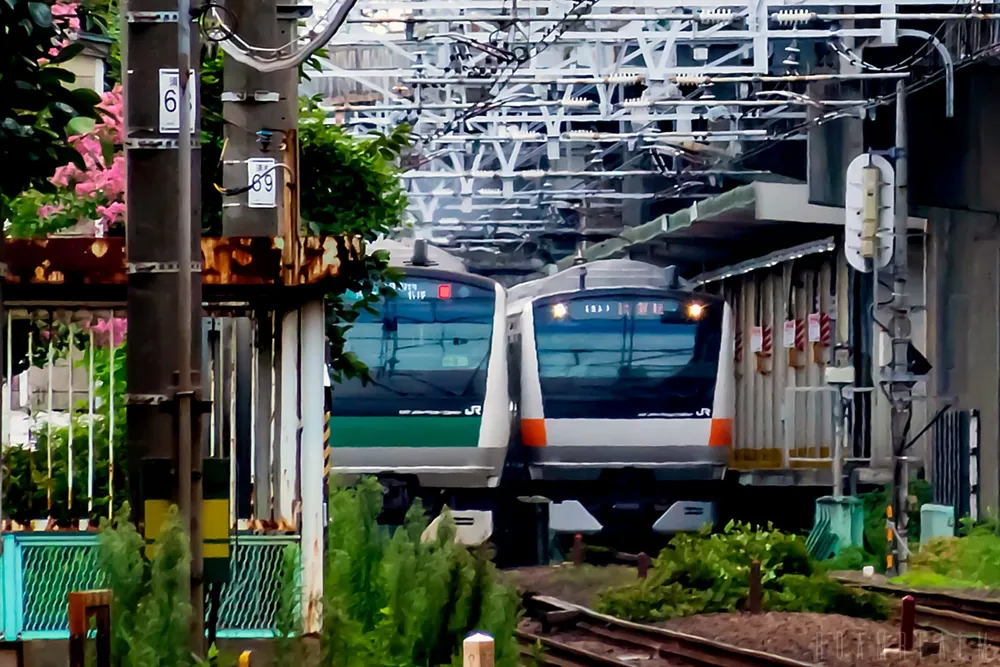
[(574, 13), (241, 52), (882, 100)]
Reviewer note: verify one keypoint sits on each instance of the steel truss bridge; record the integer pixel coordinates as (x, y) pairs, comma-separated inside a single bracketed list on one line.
[(544, 123)]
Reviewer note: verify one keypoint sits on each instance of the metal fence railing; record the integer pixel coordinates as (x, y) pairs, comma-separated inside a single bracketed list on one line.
[(955, 462), (39, 570), (63, 451), (818, 420)]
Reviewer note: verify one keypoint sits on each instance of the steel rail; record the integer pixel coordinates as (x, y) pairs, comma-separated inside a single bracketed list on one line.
[(983, 608), (663, 643), (560, 654), (946, 613)]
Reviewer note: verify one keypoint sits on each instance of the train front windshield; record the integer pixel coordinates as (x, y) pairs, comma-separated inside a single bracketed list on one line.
[(424, 347), (627, 356)]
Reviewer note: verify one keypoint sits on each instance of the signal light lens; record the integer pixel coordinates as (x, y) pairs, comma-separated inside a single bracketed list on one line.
[(695, 311), (444, 291), (559, 311)]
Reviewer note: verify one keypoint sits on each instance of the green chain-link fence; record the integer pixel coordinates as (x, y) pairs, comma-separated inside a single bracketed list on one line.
[(38, 571)]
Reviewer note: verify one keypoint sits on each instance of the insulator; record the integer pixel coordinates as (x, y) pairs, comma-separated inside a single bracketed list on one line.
[(690, 79), (636, 103), (791, 16), (717, 15), (577, 102), (623, 77)]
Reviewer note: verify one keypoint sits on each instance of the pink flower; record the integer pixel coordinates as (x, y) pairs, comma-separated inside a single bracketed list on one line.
[(100, 182), (103, 330), (49, 210)]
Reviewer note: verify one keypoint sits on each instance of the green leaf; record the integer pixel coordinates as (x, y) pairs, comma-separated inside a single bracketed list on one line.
[(56, 76), (81, 125), (67, 53), (86, 98), (41, 14), (107, 151)]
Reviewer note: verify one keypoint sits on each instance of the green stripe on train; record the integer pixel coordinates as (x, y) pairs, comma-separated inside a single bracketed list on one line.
[(412, 431)]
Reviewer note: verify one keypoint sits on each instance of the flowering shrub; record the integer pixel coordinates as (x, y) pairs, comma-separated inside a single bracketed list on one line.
[(94, 193), (66, 15)]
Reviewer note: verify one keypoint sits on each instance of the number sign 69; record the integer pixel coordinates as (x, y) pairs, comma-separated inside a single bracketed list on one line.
[(261, 181)]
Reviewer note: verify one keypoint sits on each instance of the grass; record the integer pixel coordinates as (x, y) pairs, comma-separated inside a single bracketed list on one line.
[(970, 560), (710, 573), (581, 584)]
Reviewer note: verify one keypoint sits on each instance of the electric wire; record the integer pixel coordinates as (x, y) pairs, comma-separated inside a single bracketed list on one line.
[(501, 78), (881, 100)]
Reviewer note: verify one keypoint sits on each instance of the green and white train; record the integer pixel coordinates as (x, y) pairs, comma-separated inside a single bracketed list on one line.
[(436, 411), (606, 389)]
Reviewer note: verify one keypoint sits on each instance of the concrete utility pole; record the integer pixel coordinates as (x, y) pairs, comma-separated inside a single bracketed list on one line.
[(163, 157), (260, 110), (260, 168), (900, 382)]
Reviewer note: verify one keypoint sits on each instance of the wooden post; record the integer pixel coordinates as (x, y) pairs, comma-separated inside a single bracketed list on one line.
[(906, 624), (83, 605), (11, 653), (755, 589), (643, 562), (477, 650), (578, 549)]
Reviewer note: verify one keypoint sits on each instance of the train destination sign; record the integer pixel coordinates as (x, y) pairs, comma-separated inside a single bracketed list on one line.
[(611, 309)]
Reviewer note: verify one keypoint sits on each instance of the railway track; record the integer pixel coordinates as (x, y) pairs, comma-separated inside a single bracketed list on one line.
[(951, 613), (573, 636)]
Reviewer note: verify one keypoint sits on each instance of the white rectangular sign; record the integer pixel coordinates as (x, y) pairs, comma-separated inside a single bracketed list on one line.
[(788, 334), (814, 327), (756, 339), (170, 121), (261, 177)]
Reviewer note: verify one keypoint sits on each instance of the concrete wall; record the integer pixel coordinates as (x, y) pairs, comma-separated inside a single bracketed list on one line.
[(964, 317), (89, 72), (955, 184)]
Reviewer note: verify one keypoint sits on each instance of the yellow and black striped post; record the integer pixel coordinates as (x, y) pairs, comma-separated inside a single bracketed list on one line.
[(157, 484), (326, 448), (889, 539), (215, 519)]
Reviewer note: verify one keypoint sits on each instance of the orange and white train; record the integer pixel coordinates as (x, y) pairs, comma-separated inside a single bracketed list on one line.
[(623, 388)]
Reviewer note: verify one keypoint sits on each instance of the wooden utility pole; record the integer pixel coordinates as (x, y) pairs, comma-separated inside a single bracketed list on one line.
[(163, 158)]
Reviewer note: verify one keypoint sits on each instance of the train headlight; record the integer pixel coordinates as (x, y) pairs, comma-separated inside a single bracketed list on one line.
[(695, 311), (559, 311)]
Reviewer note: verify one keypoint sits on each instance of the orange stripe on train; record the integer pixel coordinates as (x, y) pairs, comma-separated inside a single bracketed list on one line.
[(721, 433), (533, 432)]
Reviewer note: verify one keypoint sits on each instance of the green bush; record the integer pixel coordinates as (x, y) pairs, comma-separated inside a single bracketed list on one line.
[(150, 620), (971, 560), (709, 573), (395, 600), (876, 504)]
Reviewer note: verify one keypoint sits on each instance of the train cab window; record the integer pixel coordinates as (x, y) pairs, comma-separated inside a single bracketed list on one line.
[(426, 340)]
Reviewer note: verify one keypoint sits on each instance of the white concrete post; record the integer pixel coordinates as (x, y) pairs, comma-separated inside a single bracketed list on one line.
[(311, 455), (287, 455)]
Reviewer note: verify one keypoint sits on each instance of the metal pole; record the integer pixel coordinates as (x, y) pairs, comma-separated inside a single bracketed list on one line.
[(839, 440), (900, 384), (189, 460)]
